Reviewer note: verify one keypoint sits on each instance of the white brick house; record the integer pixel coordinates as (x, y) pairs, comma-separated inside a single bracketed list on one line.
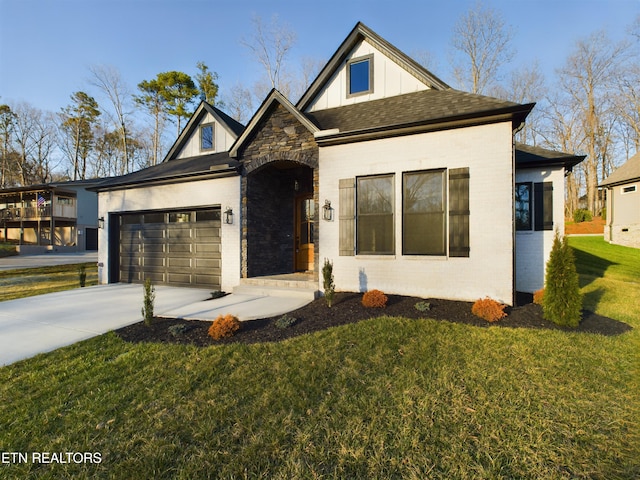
[(405, 184)]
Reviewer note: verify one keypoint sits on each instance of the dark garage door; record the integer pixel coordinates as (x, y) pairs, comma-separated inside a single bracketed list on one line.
[(179, 248)]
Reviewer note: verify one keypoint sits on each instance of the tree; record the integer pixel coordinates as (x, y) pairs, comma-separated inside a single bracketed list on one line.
[(587, 79), (153, 101), (109, 81), (78, 120), (179, 92), (207, 83), (238, 103), (562, 302), (7, 125), (270, 45), (482, 45)]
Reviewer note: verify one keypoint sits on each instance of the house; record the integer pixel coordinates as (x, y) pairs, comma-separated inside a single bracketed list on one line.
[(623, 204), (404, 183), (58, 216)]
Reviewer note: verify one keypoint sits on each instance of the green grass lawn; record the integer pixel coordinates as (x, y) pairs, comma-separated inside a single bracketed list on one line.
[(384, 398), (28, 282)]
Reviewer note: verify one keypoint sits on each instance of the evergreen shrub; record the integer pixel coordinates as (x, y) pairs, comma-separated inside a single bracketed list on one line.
[(562, 302)]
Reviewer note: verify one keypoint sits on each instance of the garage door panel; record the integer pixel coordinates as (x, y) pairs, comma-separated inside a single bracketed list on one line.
[(169, 248)]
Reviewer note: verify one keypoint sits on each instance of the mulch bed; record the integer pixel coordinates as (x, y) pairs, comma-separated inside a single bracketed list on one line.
[(348, 308)]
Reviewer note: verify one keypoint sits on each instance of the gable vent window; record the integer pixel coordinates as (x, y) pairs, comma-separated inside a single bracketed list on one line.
[(360, 75), (206, 137), (629, 189)]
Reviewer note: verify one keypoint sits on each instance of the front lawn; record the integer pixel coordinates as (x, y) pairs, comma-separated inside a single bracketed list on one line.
[(384, 398)]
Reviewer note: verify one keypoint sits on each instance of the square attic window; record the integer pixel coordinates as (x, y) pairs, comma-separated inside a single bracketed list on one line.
[(360, 75)]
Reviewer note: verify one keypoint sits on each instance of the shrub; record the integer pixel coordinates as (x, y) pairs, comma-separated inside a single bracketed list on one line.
[(178, 329), (374, 299), (217, 294), (224, 326), (328, 284), (488, 309), (538, 296), (582, 215), (423, 306), (82, 275), (149, 299), (285, 321), (562, 299)]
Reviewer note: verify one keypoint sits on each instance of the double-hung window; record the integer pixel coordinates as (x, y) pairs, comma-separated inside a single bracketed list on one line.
[(424, 213), (375, 205)]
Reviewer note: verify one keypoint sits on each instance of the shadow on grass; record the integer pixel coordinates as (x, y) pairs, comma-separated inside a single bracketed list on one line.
[(590, 266)]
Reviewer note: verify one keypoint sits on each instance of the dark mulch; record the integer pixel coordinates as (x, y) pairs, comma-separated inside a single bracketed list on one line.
[(348, 308)]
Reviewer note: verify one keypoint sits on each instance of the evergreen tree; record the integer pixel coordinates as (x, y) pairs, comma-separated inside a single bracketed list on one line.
[(562, 299)]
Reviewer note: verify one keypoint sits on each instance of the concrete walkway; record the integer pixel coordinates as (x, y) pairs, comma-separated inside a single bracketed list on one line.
[(43, 323)]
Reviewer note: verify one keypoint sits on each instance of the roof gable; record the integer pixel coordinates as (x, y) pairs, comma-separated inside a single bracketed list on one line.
[(205, 113), (628, 172), (360, 41), (274, 99)]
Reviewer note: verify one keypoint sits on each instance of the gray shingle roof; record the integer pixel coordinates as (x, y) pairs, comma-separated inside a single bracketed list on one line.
[(528, 156), (215, 164), (628, 172), (424, 107)]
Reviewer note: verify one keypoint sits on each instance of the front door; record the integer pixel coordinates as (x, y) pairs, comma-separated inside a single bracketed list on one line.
[(305, 216)]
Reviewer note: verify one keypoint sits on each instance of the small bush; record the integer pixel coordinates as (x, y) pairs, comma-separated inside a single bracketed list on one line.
[(149, 299), (217, 294), (423, 306), (82, 275), (488, 309), (582, 215), (285, 321), (538, 296), (374, 299), (224, 326), (328, 283), (178, 329)]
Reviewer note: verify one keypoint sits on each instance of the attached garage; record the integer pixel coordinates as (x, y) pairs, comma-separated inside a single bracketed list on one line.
[(180, 248)]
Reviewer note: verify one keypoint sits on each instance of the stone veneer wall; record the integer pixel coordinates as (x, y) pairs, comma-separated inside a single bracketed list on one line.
[(267, 190)]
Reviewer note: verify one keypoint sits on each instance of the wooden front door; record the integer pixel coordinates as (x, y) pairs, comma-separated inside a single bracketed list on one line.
[(305, 216)]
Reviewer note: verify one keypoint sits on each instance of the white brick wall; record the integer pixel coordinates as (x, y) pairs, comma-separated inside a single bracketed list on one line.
[(222, 191), (487, 151), (533, 247)]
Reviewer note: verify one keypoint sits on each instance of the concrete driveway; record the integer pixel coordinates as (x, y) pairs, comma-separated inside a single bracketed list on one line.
[(33, 325)]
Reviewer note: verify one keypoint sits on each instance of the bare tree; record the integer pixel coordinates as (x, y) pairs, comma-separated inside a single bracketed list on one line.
[(238, 103), (482, 45), (270, 44), (109, 81), (588, 78)]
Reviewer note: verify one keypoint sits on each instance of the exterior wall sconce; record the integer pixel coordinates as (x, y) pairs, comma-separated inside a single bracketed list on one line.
[(327, 211), (228, 216), (101, 222)]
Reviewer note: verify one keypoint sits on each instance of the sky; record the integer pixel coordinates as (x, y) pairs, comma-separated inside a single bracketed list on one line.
[(48, 46)]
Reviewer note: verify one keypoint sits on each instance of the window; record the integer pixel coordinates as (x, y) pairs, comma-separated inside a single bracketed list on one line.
[(534, 206), (374, 220), (360, 75), (523, 206), (423, 211), (629, 189), (206, 137)]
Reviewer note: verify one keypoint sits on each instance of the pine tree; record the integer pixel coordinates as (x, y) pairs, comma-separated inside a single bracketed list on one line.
[(562, 302)]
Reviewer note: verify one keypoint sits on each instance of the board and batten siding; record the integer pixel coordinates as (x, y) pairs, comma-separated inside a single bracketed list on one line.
[(389, 79), (222, 192), (483, 155), (223, 139)]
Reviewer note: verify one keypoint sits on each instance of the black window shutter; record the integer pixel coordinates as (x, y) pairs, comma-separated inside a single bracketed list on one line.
[(543, 206), (347, 217), (459, 212)]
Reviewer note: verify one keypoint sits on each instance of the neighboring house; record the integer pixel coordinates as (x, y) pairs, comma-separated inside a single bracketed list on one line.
[(59, 216), (404, 183), (623, 204)]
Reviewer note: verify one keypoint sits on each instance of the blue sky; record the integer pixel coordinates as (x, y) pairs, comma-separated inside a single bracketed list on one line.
[(47, 46)]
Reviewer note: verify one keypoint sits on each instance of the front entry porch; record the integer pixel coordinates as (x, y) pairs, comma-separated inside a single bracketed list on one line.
[(299, 285)]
